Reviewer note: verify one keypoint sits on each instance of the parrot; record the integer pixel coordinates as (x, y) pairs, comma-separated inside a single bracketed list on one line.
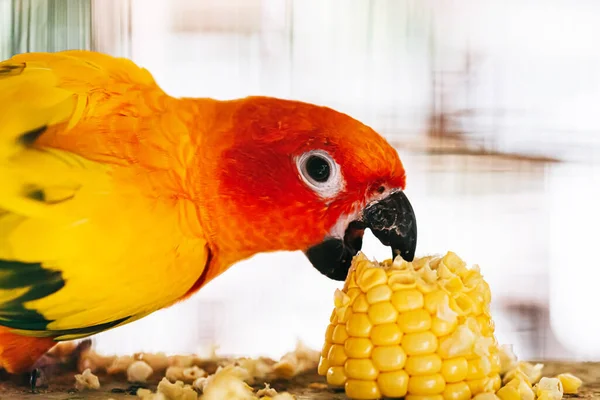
[(118, 200)]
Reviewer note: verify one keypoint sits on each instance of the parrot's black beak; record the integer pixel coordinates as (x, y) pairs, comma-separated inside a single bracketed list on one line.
[(391, 219)]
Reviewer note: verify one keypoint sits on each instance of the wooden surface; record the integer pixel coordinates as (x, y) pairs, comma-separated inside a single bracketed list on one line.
[(61, 387)]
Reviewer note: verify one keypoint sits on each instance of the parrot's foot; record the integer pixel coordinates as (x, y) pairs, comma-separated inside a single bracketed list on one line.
[(51, 364)]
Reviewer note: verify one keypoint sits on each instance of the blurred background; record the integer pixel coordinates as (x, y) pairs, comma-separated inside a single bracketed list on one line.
[(493, 106)]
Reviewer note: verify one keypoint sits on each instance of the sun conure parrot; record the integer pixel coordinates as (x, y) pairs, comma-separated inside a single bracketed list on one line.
[(117, 200)]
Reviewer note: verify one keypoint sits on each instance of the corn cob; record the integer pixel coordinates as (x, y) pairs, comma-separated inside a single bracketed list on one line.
[(419, 330)]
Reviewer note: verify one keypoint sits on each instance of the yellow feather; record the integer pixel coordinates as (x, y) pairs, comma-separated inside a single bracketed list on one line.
[(79, 219)]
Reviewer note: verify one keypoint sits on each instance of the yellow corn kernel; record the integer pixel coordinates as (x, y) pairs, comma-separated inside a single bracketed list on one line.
[(525, 390), (452, 284), (551, 388), (426, 287), (359, 325), (533, 372), (386, 335), (495, 362), (333, 317), (423, 365), (407, 300), (454, 262), (326, 347), (329, 332), (494, 383), (477, 385), (353, 293), (323, 366), (459, 343), (570, 382), (508, 393), (358, 347), (485, 396), (336, 376), (426, 384), (424, 397), (340, 299), (393, 384), (388, 358), (516, 374), (378, 294), (415, 344), (370, 278), (382, 313), (462, 304), (479, 368), (414, 321), (360, 369), (343, 314), (337, 355), (402, 280), (457, 391), (362, 390), (339, 334), (455, 369), (436, 300), (360, 305), (441, 327)]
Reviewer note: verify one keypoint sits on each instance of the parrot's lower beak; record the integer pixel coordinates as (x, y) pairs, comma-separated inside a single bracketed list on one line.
[(391, 219)]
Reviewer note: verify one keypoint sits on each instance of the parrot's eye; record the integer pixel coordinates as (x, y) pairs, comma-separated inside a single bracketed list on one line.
[(320, 172), (318, 168)]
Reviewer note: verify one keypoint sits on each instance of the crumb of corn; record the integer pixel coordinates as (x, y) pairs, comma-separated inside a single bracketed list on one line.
[(139, 371), (158, 361), (296, 362), (227, 383), (187, 375), (317, 385), (411, 329), (182, 361), (570, 383), (176, 391), (281, 396), (267, 391), (549, 389), (120, 365), (94, 361), (508, 359), (87, 380)]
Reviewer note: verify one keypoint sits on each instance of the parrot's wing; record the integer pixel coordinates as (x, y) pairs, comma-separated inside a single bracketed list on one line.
[(94, 228)]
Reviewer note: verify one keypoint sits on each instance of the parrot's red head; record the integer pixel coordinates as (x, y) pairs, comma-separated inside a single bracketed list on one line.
[(295, 176)]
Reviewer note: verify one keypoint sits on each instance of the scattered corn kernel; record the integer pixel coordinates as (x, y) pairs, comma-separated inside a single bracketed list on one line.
[(87, 380), (508, 393), (417, 330), (549, 389), (570, 382), (139, 371)]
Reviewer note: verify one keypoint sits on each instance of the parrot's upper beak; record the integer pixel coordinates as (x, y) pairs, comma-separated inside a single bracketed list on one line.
[(391, 219)]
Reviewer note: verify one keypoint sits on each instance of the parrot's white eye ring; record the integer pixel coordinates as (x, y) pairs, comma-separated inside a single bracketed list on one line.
[(320, 172)]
